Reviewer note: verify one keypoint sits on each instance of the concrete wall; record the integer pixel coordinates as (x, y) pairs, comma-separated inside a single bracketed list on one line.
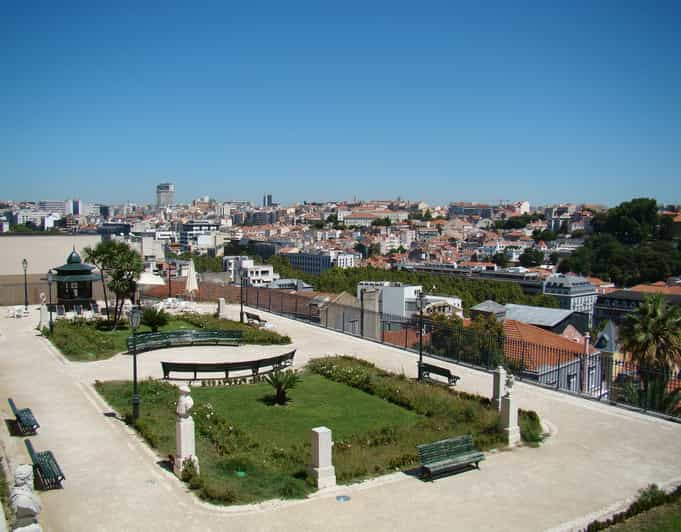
[(42, 251)]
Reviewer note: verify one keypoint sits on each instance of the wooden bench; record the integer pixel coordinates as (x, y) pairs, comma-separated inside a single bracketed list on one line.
[(45, 468), (425, 371), (447, 455), (256, 367), (254, 319), (26, 421), (161, 340)]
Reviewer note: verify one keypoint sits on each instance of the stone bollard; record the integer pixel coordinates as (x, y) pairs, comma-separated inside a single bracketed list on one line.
[(509, 415), (498, 386), (322, 469), (184, 432), (222, 307)]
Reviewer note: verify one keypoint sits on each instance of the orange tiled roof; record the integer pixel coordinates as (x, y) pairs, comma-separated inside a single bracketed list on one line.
[(657, 288), (538, 347)]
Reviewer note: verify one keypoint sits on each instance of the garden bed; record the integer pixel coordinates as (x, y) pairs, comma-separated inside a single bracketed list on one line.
[(87, 340), (252, 451)]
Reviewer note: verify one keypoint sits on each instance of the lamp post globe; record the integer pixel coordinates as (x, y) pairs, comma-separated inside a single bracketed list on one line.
[(134, 317), (24, 264)]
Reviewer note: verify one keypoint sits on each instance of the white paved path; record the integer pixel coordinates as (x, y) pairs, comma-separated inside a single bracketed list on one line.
[(597, 458)]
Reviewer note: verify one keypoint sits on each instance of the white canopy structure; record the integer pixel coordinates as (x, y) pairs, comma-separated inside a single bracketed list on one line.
[(192, 284)]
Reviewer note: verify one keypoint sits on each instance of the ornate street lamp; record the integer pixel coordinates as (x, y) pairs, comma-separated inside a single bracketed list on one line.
[(241, 294), (134, 317), (24, 263), (50, 278), (421, 302)]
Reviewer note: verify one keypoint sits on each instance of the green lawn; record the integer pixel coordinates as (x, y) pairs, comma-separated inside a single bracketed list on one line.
[(85, 341), (665, 518), (238, 429)]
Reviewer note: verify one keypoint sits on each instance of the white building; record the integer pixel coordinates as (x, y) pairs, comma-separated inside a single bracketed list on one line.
[(401, 300), (254, 274)]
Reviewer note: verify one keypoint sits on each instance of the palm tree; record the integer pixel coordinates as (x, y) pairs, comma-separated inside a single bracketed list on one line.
[(652, 336), (282, 381), (154, 318)]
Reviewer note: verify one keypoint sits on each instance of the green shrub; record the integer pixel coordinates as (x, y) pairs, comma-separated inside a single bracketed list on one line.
[(648, 498), (282, 381), (251, 335), (530, 427), (154, 318)]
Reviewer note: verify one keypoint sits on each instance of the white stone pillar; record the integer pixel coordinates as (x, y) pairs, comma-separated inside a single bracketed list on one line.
[(222, 307), (508, 421), (184, 432), (498, 386), (322, 469)]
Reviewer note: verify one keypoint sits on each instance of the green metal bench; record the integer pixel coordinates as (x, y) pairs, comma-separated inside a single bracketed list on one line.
[(161, 340), (26, 421), (425, 371), (45, 468), (447, 455), (259, 367)]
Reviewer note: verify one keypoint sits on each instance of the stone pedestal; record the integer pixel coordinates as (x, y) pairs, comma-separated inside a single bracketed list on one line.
[(498, 386), (321, 468), (509, 420), (222, 307), (184, 432), (44, 317)]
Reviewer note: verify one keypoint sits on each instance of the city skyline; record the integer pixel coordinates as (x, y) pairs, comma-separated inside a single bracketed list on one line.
[(552, 103)]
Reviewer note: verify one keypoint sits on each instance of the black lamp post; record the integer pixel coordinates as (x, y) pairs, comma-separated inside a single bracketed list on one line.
[(170, 268), (134, 317), (421, 303), (241, 295), (24, 263), (49, 289)]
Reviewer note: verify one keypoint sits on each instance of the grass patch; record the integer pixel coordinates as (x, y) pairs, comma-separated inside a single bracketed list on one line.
[(252, 335), (239, 431), (665, 518), (653, 511), (84, 341)]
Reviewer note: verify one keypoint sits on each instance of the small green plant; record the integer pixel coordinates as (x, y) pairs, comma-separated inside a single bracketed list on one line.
[(155, 318), (282, 381)]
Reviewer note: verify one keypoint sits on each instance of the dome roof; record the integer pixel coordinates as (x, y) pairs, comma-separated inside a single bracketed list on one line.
[(74, 258)]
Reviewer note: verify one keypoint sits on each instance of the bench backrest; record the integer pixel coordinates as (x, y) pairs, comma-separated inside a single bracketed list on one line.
[(31, 451), (208, 367), (432, 452), (188, 336), (13, 406)]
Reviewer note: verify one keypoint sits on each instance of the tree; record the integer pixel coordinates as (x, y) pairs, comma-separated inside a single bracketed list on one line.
[(545, 235), (100, 257), (531, 257), (554, 258), (501, 260), (124, 267), (652, 334), (381, 222), (154, 318), (282, 381), (564, 266)]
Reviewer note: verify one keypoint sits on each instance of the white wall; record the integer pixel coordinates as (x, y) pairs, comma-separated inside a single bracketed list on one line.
[(42, 252)]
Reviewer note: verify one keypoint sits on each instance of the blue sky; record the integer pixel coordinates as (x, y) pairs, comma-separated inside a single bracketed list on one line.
[(441, 101)]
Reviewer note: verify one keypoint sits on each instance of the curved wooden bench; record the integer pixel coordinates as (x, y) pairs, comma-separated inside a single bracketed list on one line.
[(262, 366), (161, 340)]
